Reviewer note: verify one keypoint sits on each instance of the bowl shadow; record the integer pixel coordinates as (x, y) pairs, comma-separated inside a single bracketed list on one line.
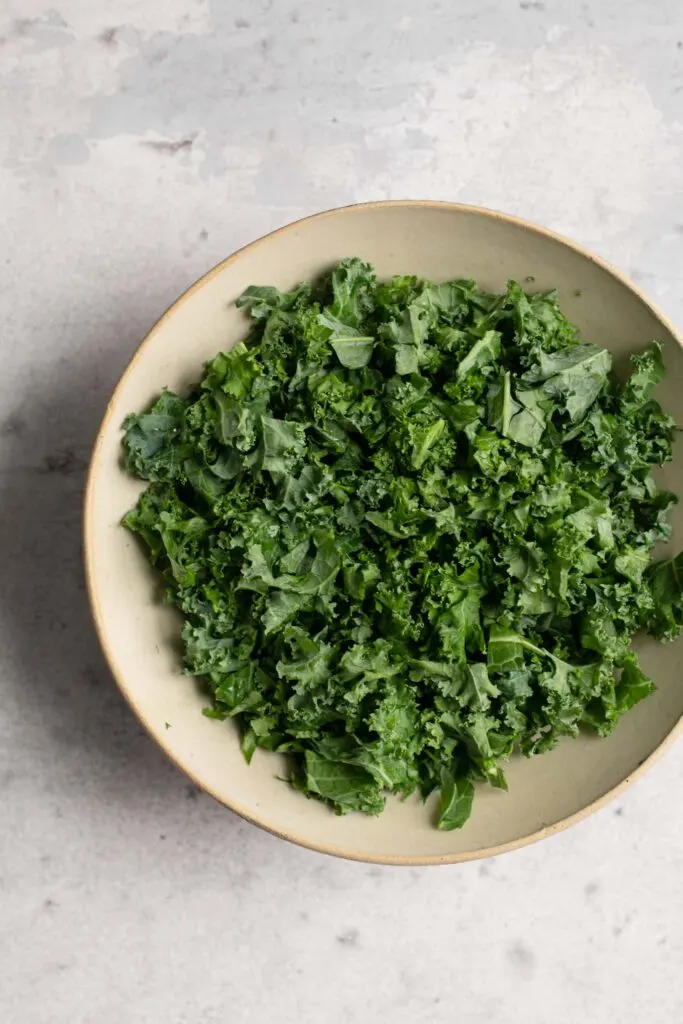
[(60, 690)]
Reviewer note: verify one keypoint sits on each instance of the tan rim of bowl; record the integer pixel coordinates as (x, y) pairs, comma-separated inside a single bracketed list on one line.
[(244, 811)]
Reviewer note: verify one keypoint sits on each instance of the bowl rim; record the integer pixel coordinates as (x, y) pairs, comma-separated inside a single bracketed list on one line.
[(238, 808)]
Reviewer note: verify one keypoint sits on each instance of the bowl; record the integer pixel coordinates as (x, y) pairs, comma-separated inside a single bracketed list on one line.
[(139, 635)]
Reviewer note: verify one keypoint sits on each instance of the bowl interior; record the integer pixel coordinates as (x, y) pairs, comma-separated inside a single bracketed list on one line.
[(140, 636)]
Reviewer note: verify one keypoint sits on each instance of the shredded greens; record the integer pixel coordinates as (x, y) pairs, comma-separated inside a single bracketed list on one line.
[(409, 527)]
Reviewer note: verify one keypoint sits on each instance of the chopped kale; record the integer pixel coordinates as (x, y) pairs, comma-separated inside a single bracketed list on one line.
[(410, 528)]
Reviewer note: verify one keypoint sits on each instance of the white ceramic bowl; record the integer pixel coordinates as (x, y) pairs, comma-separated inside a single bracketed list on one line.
[(140, 636)]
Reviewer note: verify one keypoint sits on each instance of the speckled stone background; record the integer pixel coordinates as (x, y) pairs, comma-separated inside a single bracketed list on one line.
[(140, 142)]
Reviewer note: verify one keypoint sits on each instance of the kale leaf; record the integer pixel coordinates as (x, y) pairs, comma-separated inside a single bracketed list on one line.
[(409, 527)]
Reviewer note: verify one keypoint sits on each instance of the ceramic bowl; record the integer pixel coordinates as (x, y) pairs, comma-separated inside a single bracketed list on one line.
[(139, 635)]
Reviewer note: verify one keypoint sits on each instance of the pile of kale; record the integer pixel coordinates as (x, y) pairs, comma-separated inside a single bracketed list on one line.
[(410, 527)]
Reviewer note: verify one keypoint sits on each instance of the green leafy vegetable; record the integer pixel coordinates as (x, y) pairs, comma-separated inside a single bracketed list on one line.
[(456, 801), (410, 527)]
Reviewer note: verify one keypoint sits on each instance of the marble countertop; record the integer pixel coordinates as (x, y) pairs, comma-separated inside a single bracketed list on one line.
[(141, 142)]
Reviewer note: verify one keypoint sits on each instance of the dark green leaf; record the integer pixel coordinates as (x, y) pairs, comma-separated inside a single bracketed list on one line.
[(456, 801), (348, 787)]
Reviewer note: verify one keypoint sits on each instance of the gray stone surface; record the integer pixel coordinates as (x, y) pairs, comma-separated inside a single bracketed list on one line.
[(142, 141)]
